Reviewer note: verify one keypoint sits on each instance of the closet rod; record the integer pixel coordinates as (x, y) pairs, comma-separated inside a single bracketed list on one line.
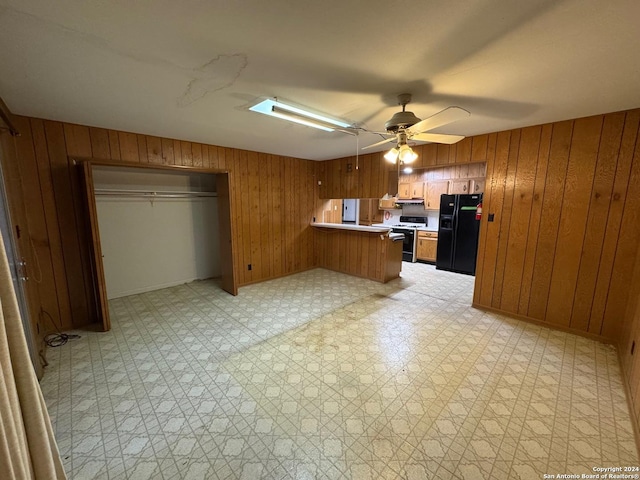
[(137, 193)]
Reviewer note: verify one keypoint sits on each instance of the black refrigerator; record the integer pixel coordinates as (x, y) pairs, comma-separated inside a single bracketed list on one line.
[(458, 232)]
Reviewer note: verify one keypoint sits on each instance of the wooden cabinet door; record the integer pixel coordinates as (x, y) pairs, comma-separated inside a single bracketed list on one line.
[(476, 185), (430, 248), (417, 189), (422, 249), (404, 190), (433, 191), (427, 247), (365, 207), (459, 186), (376, 214)]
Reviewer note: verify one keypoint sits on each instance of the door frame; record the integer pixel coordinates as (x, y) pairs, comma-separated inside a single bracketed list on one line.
[(225, 224)]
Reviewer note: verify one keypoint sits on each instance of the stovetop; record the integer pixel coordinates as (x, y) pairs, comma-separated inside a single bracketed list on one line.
[(411, 222)]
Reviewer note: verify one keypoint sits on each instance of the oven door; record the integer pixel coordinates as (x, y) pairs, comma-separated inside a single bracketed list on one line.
[(408, 244)]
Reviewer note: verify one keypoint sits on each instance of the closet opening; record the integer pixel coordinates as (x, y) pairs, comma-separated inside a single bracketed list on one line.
[(153, 228)]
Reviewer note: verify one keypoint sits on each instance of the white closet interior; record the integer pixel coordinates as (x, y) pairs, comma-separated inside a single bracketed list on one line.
[(157, 228)]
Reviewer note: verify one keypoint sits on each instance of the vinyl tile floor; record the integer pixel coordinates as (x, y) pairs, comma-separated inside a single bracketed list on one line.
[(321, 375)]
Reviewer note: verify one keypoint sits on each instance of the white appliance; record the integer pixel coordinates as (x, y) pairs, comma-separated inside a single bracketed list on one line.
[(409, 226), (349, 210)]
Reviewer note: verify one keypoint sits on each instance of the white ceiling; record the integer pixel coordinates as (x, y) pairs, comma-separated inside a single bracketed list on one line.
[(190, 69)]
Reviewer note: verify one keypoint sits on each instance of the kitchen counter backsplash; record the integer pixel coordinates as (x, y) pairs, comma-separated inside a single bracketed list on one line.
[(413, 210)]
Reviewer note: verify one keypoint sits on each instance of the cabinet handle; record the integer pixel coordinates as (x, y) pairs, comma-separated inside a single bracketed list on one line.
[(464, 188)]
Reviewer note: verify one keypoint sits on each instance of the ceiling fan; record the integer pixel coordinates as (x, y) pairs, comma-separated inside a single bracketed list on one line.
[(404, 126)]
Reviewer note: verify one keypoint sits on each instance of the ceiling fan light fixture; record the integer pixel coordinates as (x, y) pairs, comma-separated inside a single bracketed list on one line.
[(392, 155), (406, 154), (298, 115)]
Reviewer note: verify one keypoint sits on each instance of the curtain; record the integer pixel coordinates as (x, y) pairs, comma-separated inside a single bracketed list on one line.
[(28, 448)]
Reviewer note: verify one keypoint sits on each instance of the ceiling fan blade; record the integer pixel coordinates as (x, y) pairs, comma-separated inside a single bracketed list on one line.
[(392, 139), (448, 115), (437, 138)]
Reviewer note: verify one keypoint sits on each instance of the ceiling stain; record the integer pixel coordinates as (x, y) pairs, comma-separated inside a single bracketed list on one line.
[(217, 74)]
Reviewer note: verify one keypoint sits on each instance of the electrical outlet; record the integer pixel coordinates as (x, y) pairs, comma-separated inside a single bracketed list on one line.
[(249, 267)]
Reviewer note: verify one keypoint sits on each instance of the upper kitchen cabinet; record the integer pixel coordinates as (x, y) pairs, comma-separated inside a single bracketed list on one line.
[(417, 189), (476, 185), (434, 189), (459, 186), (404, 190)]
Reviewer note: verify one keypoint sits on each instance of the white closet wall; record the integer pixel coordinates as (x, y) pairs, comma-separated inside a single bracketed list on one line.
[(152, 244)]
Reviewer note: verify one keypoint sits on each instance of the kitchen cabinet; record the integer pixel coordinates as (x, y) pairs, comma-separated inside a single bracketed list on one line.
[(369, 211), (417, 189), (476, 185), (427, 246), (404, 190), (433, 191), (459, 186)]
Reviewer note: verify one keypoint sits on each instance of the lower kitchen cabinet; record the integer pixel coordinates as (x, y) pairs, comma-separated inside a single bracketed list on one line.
[(427, 246)]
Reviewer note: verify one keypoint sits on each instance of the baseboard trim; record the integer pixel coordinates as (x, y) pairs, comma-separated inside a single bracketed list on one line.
[(562, 328)]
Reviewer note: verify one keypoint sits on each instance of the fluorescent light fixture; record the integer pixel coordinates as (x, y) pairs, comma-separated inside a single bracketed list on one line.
[(281, 110)]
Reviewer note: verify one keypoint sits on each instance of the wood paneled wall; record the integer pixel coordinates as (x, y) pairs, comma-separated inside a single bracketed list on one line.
[(35, 291), (273, 202), (629, 345), (363, 254), (567, 223), (371, 180), (470, 170)]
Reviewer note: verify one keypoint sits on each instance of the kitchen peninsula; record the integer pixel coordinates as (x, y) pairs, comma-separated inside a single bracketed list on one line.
[(369, 252)]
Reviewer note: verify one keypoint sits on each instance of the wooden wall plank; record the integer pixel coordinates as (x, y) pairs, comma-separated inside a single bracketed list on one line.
[(442, 154), (154, 150), (614, 220), (601, 194), (186, 154), (168, 155), (496, 191), (78, 140), (548, 232), (100, 145), (571, 230), (525, 175), (505, 222), (534, 223), (74, 246), (626, 252), (42, 271), (114, 145), (252, 194), (463, 150), (482, 240), (196, 155), (143, 153), (128, 147), (479, 148)]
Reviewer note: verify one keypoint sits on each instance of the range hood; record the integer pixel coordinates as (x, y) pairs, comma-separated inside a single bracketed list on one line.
[(417, 201)]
